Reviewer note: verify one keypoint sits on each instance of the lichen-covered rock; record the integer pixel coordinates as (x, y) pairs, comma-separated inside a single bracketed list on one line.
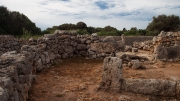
[(112, 74)]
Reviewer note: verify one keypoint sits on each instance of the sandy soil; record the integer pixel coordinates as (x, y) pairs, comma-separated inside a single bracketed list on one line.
[(77, 79)]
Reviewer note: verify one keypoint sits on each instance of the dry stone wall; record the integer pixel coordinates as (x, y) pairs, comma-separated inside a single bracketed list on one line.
[(167, 46), (129, 40), (9, 43), (17, 69)]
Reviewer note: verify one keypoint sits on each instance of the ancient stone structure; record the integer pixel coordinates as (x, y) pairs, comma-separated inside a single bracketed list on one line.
[(167, 46), (18, 68), (112, 81), (112, 74), (9, 43)]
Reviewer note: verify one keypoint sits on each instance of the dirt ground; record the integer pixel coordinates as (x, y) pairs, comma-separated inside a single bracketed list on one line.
[(77, 79)]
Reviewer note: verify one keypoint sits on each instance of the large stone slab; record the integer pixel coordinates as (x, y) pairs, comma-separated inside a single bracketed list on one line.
[(112, 74), (102, 47), (154, 87)]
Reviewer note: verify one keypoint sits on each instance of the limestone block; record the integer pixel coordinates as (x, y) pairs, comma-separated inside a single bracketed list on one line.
[(70, 49), (150, 87), (94, 36), (81, 47), (47, 57), (65, 55), (134, 49), (39, 65), (3, 95), (108, 39), (112, 74), (102, 47), (136, 64), (43, 59), (128, 48)]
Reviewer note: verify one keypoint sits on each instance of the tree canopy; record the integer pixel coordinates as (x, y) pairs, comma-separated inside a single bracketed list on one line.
[(163, 22), (15, 23)]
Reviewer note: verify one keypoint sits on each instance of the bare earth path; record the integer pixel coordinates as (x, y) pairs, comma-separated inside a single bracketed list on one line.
[(77, 79)]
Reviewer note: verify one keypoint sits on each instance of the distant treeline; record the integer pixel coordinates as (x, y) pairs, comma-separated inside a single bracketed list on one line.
[(159, 23), (17, 24)]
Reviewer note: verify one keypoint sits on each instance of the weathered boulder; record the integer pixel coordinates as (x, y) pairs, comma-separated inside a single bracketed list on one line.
[(128, 49), (81, 47), (94, 36), (136, 64), (3, 95), (108, 39), (127, 57), (112, 74), (134, 49), (102, 47), (166, 52), (150, 87)]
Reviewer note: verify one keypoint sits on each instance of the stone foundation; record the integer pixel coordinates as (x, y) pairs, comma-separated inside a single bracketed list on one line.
[(156, 88)]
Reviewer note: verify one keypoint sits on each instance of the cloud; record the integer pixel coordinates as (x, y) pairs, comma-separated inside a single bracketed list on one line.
[(103, 5), (98, 13)]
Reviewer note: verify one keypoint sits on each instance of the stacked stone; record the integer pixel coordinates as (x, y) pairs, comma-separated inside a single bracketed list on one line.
[(146, 45), (167, 39), (17, 70), (15, 76), (167, 46), (9, 43)]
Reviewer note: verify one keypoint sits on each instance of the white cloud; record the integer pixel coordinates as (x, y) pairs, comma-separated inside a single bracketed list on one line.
[(117, 13)]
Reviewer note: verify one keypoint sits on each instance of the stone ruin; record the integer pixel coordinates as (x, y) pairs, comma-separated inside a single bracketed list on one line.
[(20, 60), (18, 67), (164, 47), (113, 81)]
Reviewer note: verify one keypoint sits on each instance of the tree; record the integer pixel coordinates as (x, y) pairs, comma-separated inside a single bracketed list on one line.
[(91, 29), (12, 22), (109, 28), (163, 22), (81, 25)]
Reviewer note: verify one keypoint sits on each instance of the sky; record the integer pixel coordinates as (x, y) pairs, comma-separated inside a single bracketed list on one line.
[(97, 13)]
